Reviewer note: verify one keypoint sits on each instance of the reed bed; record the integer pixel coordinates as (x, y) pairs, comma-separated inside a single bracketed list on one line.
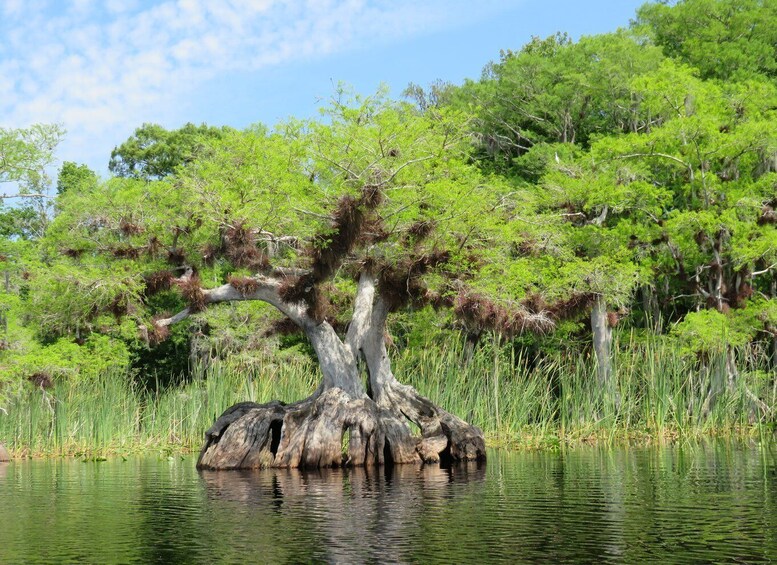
[(657, 395)]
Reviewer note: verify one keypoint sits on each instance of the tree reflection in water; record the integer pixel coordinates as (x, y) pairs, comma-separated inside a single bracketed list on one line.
[(340, 515)]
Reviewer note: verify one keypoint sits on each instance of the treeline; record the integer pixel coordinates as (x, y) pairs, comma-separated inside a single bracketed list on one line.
[(630, 187)]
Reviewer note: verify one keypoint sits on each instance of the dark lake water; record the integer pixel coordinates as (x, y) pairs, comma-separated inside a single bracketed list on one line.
[(692, 504)]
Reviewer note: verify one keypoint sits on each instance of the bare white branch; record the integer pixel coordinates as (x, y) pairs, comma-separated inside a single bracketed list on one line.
[(267, 291)]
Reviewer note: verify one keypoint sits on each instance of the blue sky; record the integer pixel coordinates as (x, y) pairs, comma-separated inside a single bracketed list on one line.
[(102, 68)]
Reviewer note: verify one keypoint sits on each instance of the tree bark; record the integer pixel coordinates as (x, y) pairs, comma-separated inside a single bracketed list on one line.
[(650, 306), (341, 423), (602, 338)]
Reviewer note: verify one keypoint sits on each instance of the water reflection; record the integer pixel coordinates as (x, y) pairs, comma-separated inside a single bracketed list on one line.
[(348, 515), (684, 504)]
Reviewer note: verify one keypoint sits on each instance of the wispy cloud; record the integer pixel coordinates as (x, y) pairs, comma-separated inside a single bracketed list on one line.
[(103, 67)]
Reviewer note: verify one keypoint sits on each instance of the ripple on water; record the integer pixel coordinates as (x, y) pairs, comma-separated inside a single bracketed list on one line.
[(710, 503)]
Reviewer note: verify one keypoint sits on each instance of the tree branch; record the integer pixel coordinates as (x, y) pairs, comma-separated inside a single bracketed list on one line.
[(24, 195), (766, 270), (662, 155), (267, 291)]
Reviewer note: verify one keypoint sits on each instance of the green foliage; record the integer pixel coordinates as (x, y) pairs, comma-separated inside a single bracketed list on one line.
[(556, 91), (532, 403), (632, 169), (639, 166), (154, 152), (709, 331), (21, 222), (75, 177), (280, 189), (25, 153), (66, 301), (725, 39), (64, 359)]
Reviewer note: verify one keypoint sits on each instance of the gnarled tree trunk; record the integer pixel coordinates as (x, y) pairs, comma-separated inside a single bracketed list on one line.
[(341, 423)]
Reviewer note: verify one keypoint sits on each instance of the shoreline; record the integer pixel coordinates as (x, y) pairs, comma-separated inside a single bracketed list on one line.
[(572, 440)]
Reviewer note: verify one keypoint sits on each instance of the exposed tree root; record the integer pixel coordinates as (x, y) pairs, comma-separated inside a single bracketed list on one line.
[(333, 429)]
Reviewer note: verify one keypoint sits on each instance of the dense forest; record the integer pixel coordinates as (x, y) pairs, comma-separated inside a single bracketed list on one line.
[(589, 223)]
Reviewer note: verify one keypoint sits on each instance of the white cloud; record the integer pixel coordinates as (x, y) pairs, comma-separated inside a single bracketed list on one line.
[(104, 67)]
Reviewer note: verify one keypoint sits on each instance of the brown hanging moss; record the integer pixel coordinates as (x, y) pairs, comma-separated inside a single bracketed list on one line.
[(573, 307), (41, 379), (402, 284), (298, 289), (238, 244), (768, 216), (128, 227), (434, 259), (366, 264), (126, 252), (176, 257), (73, 253), (418, 231), (745, 291), (481, 313), (283, 326), (153, 246), (527, 247), (440, 300), (191, 290), (249, 258), (238, 234), (246, 286), (120, 306), (373, 231), (210, 253), (158, 282), (349, 227), (738, 293), (421, 229), (321, 308), (158, 334), (397, 289), (347, 230), (534, 303), (329, 250), (371, 197)]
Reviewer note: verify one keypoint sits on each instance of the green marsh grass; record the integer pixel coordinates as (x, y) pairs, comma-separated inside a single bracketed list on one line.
[(657, 395)]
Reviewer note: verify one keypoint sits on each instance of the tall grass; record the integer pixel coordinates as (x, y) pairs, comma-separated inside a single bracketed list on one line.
[(656, 394), (111, 414)]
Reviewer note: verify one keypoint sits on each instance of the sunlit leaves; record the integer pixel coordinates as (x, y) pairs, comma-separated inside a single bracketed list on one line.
[(723, 38), (25, 153)]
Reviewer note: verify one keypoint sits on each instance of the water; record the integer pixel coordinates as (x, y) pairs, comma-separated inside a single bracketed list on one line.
[(714, 503)]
